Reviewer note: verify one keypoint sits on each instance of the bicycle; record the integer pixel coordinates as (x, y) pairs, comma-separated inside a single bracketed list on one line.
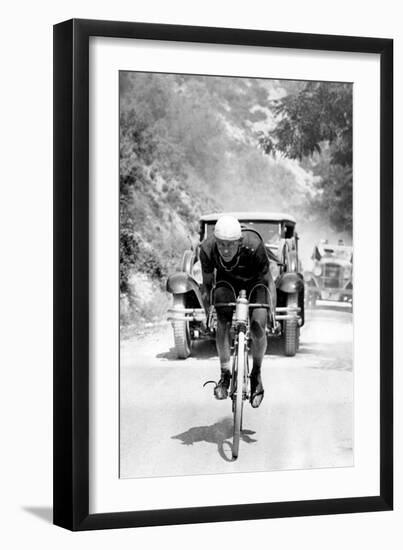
[(239, 391)]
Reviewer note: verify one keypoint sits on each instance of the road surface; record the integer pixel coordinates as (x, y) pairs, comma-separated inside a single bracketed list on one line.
[(170, 425)]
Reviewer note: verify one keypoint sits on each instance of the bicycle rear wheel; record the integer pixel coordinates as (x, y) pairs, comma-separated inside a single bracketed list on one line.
[(237, 403)]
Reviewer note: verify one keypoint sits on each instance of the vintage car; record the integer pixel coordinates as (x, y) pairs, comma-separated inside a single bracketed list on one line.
[(189, 319), (331, 275)]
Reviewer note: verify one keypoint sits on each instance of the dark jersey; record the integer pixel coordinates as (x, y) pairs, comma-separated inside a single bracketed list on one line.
[(249, 267)]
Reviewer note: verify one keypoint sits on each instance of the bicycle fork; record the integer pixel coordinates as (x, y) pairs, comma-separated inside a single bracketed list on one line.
[(245, 383)]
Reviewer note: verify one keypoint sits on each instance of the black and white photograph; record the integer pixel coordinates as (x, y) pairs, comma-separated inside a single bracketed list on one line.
[(236, 274)]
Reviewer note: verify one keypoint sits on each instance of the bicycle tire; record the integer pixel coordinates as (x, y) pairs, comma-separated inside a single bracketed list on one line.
[(239, 373)]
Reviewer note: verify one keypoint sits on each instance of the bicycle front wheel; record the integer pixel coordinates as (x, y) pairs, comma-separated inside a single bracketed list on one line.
[(239, 373)]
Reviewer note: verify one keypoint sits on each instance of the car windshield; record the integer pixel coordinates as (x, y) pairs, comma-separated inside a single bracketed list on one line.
[(344, 253), (340, 252), (269, 231)]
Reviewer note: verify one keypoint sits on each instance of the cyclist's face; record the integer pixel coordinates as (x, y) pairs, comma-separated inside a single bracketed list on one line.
[(228, 249)]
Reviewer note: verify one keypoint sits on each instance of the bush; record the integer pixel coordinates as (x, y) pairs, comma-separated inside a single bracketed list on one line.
[(144, 302), (137, 255)]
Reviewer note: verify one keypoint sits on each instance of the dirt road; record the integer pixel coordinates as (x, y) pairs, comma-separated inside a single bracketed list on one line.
[(171, 425)]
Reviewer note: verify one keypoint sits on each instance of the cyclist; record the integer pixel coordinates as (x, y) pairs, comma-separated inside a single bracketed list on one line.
[(239, 259)]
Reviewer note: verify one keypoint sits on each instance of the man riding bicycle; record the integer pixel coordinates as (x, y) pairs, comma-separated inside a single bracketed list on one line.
[(238, 259)]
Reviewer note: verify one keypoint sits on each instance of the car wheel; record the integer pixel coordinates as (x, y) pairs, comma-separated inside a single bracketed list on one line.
[(181, 329), (291, 329)]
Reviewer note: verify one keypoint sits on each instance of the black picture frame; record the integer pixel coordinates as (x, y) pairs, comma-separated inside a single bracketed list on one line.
[(71, 274)]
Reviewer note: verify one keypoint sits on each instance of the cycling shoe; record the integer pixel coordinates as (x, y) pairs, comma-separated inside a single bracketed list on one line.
[(221, 389)]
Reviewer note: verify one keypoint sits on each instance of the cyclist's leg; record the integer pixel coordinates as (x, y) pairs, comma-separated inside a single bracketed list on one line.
[(258, 322), (224, 318), (258, 335), (259, 343)]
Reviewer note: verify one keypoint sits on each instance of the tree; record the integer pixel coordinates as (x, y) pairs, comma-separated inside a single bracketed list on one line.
[(314, 125), (319, 113), (335, 193)]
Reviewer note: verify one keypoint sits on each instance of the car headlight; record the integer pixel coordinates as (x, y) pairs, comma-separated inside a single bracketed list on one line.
[(347, 272), (317, 270)]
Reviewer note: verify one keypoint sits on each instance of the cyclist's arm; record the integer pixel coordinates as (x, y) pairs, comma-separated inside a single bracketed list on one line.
[(261, 260), (262, 266), (206, 287)]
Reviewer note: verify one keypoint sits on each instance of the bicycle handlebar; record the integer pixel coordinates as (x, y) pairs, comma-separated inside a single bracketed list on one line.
[(233, 304)]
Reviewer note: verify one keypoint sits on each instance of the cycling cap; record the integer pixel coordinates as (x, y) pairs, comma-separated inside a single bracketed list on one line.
[(227, 228)]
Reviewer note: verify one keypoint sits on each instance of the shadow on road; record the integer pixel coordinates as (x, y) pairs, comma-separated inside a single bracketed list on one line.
[(275, 346), (203, 349), (206, 349), (218, 434)]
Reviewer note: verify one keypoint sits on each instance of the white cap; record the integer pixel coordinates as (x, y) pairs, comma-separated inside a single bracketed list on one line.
[(227, 228)]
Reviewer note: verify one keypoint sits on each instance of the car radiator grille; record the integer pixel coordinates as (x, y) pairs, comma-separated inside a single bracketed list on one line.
[(331, 274)]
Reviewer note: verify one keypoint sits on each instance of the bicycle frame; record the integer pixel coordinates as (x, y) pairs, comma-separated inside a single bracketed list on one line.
[(240, 379)]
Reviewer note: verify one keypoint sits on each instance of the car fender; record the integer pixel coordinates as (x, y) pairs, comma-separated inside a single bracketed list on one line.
[(290, 282), (181, 283)]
